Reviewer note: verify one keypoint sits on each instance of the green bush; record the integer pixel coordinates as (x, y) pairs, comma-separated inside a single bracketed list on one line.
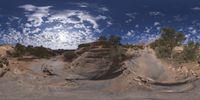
[(20, 50), (70, 55), (162, 52), (115, 40), (190, 51), (118, 54), (167, 42), (40, 52), (198, 59), (3, 61)]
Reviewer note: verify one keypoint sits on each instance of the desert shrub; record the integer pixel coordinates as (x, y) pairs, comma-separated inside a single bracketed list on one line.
[(84, 45), (105, 44), (165, 44), (198, 59), (70, 55), (190, 51), (114, 40), (3, 61), (40, 52), (162, 52), (19, 50), (117, 54), (138, 47)]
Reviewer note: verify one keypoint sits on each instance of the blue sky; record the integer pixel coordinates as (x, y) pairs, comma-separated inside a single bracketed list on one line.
[(67, 23)]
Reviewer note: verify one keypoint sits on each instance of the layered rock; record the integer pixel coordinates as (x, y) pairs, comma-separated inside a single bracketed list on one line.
[(93, 64)]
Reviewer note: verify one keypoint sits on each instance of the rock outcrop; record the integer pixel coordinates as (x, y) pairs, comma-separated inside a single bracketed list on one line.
[(4, 49), (93, 64), (3, 66)]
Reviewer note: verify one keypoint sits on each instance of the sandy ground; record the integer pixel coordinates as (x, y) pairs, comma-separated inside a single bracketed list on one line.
[(25, 81)]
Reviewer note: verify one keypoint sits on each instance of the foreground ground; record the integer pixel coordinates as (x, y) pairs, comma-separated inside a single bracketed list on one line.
[(144, 78)]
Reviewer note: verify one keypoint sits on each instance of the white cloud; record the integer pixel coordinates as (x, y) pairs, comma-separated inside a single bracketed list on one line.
[(82, 5), (190, 28), (65, 17), (36, 30), (131, 15), (128, 21), (156, 13), (130, 33), (103, 9), (196, 8), (13, 18), (156, 23), (59, 37), (158, 28), (109, 23), (37, 13), (137, 26), (63, 29), (194, 31), (147, 29)]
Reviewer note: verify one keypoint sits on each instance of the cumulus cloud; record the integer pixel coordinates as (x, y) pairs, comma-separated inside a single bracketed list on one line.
[(132, 15), (128, 21), (103, 9), (61, 38), (56, 29), (137, 26), (76, 17), (82, 4), (156, 23), (148, 29), (156, 13), (130, 33), (37, 13), (196, 8)]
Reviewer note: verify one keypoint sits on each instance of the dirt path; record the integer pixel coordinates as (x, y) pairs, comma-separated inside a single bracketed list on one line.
[(148, 65)]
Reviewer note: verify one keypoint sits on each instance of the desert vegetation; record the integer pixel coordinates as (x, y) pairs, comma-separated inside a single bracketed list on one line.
[(117, 52), (169, 39), (70, 55), (40, 52)]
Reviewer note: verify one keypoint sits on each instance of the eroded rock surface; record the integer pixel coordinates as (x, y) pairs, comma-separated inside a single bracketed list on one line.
[(55, 79), (93, 63), (3, 66)]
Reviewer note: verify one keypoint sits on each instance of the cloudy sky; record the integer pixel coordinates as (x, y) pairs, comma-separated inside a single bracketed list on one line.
[(64, 24)]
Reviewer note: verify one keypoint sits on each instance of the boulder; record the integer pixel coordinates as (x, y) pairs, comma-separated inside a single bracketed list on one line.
[(3, 66)]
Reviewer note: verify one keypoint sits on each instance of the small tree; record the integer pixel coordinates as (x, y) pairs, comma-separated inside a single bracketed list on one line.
[(117, 54), (20, 50), (190, 51), (115, 40), (70, 55), (41, 52), (165, 44)]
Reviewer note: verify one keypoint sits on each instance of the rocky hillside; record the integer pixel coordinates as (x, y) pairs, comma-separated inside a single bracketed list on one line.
[(95, 68), (5, 48), (93, 64)]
